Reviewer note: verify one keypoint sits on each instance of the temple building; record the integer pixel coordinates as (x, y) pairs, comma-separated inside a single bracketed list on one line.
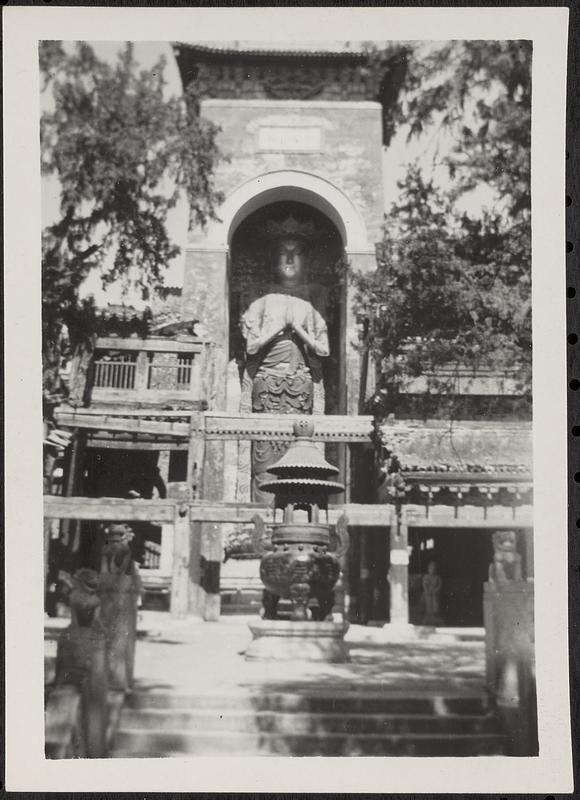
[(175, 405)]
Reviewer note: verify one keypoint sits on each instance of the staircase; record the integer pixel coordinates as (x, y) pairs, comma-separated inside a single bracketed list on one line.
[(305, 723)]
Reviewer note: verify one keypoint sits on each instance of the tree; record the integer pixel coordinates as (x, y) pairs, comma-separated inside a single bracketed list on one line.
[(123, 154), (453, 290)]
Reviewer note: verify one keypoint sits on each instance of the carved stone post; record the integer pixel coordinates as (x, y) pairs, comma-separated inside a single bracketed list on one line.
[(119, 598), (180, 581), (508, 609), (510, 672), (119, 588), (81, 661)]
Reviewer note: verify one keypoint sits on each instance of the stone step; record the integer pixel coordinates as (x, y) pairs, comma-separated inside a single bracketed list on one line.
[(246, 608), (130, 743), (340, 702), (195, 721)]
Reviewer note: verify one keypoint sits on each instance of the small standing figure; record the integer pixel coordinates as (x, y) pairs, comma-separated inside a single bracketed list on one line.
[(507, 562), (432, 595)]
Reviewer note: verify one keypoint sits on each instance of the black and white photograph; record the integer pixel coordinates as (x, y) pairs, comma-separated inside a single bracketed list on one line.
[(293, 494)]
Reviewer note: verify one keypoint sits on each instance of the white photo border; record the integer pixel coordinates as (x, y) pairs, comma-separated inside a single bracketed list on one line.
[(26, 767)]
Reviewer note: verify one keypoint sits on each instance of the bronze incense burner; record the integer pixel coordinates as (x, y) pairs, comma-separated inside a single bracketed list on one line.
[(300, 565)]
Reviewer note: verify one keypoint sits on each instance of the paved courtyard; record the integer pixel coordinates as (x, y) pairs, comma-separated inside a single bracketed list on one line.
[(192, 656)]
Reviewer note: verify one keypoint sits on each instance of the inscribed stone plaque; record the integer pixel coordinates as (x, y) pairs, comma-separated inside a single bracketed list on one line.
[(289, 139)]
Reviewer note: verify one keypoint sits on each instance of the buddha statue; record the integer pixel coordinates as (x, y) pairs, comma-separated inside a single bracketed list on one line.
[(285, 340)]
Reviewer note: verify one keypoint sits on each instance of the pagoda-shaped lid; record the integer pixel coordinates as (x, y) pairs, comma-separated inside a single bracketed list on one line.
[(303, 468), (304, 456)]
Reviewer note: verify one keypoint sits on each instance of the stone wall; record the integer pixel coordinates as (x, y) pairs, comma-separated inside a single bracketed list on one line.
[(339, 143), (345, 142)]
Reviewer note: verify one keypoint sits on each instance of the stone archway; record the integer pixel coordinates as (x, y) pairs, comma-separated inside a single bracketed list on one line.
[(290, 185), (205, 294)]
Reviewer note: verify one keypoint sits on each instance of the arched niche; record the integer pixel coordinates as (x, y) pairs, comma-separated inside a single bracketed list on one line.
[(250, 276), (289, 186)]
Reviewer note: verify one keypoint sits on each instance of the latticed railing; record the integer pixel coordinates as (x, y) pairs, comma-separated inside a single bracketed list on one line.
[(116, 371), (153, 368)]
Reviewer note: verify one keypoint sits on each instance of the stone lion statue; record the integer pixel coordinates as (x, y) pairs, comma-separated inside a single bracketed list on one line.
[(116, 557), (507, 562), (84, 598)]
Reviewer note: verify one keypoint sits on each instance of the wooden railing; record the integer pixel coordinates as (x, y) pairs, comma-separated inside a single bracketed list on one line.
[(115, 372), (152, 369), (214, 425)]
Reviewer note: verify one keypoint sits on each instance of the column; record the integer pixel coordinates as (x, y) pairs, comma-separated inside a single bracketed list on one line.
[(166, 559), (529, 553), (180, 579), (141, 371), (71, 528), (399, 569), (206, 298), (364, 591), (351, 366)]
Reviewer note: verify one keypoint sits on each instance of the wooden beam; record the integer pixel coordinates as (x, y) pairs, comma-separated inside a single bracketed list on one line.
[(150, 345), (327, 428), (125, 410), (228, 512), (468, 478), (131, 444), (215, 426), (109, 508), (117, 423), (102, 395), (470, 517), (358, 515)]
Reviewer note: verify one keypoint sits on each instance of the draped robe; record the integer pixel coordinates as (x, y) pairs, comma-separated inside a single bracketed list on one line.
[(286, 375)]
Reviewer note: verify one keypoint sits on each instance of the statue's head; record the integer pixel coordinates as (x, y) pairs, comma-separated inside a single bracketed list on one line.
[(87, 580), (504, 541), (290, 261), (119, 532)]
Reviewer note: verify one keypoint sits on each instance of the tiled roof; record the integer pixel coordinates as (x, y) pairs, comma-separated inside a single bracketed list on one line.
[(336, 50), (483, 448)]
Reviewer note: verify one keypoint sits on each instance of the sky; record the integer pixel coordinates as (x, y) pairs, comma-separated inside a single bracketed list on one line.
[(427, 150)]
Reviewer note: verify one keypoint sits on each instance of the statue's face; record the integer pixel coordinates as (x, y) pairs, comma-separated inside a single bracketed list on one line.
[(291, 261)]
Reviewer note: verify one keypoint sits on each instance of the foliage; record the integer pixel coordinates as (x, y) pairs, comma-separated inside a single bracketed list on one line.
[(453, 290), (123, 154)]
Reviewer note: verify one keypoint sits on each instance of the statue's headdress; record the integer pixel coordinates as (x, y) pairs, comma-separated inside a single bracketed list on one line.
[(274, 230)]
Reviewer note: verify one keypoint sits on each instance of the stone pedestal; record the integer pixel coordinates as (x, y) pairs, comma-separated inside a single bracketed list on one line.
[(119, 597), (510, 670), (81, 662), (279, 640)]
